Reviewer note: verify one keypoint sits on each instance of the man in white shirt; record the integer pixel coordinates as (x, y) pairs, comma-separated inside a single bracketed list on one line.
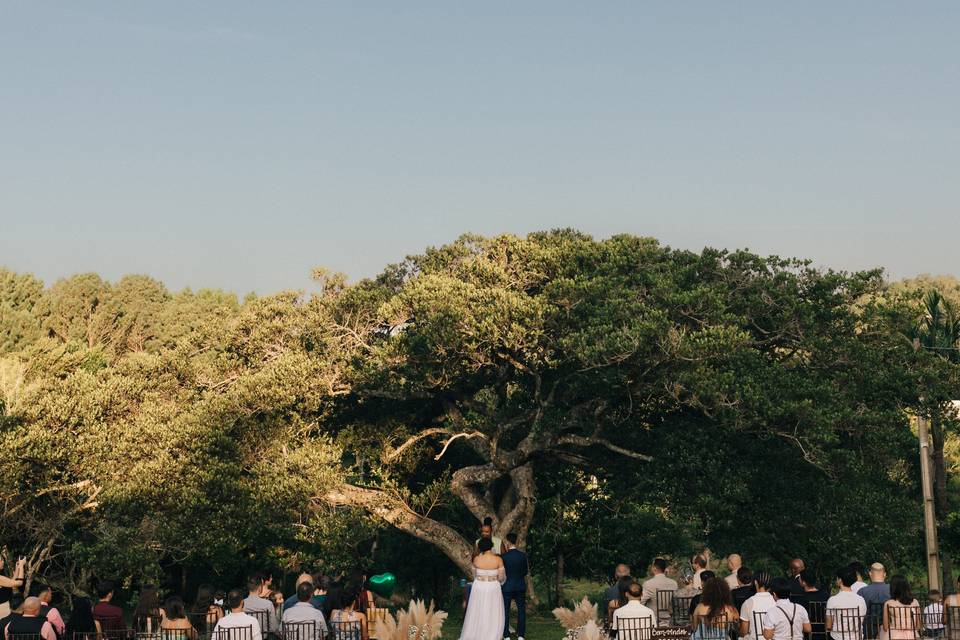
[(304, 611), (734, 562), (633, 620), (760, 602), (860, 571), (786, 620), (699, 564), (845, 611), (659, 582), (236, 619)]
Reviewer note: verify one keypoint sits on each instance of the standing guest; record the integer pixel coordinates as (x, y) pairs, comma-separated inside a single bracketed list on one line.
[(760, 602), (632, 609), (851, 603), (175, 619), (933, 616), (47, 610), (659, 582), (305, 611), (712, 616), (350, 624), (146, 615), (9, 585), (81, 619), (205, 611), (861, 571), (30, 622), (900, 624), (793, 571), (949, 618), (699, 564), (745, 589), (613, 591), (255, 603), (786, 620), (875, 595), (486, 531), (515, 588), (734, 562), (108, 615), (237, 618)]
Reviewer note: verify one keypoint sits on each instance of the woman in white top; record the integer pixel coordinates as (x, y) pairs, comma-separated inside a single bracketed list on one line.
[(484, 617)]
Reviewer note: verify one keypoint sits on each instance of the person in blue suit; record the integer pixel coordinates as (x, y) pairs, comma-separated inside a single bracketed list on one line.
[(515, 587)]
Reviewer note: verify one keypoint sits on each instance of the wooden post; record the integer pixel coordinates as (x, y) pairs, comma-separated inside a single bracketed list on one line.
[(929, 514)]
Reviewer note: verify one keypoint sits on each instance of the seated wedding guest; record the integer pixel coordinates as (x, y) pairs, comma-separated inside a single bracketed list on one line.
[(712, 617), (237, 618), (108, 615), (613, 591), (146, 615), (900, 619), (699, 564), (632, 609), (760, 602), (933, 615), (695, 600), (81, 619), (205, 612), (301, 579), (346, 620), (659, 582), (47, 610), (612, 605), (785, 620), (848, 604), (875, 595), (30, 622), (255, 603), (950, 612), (745, 588), (16, 610), (861, 571), (734, 562), (813, 598), (175, 619), (305, 611)]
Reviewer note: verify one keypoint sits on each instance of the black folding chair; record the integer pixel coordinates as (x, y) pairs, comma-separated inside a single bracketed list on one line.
[(232, 633), (664, 607), (756, 625), (345, 629), (933, 625), (873, 622), (24, 636), (905, 622), (116, 634), (263, 618), (307, 630), (817, 612), (633, 628), (717, 628), (845, 624), (681, 610), (203, 622)]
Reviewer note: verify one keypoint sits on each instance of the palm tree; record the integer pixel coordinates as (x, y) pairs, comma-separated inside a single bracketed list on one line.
[(938, 330)]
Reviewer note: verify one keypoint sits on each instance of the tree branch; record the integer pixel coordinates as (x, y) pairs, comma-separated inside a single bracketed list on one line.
[(582, 441)]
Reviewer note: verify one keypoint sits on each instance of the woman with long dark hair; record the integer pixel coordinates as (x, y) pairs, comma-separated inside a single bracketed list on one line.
[(147, 614), (623, 584), (205, 612), (175, 623), (81, 619), (712, 618), (902, 617)]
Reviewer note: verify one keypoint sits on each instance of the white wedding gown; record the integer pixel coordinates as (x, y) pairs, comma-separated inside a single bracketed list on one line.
[(484, 617)]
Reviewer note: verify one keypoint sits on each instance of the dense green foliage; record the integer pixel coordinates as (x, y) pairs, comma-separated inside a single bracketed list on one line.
[(145, 433)]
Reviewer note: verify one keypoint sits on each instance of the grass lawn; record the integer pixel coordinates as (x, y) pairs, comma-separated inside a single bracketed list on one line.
[(541, 625)]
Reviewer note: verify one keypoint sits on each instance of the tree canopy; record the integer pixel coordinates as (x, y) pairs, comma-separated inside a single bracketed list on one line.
[(606, 400)]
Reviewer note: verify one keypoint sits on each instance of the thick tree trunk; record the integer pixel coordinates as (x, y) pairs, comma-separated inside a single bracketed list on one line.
[(560, 569), (940, 490)]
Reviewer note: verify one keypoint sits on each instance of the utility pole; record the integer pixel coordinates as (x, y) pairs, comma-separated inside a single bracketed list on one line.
[(929, 513)]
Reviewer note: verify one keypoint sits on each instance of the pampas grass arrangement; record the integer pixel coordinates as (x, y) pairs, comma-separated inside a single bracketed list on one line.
[(584, 612), (418, 622)]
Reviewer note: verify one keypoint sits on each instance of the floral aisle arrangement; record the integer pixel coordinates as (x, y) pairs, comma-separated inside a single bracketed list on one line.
[(580, 622), (418, 622)]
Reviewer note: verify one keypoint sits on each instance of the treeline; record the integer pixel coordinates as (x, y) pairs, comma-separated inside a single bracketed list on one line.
[(607, 400)]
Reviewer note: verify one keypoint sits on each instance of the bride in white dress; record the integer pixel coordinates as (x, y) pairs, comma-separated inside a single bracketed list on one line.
[(484, 617)]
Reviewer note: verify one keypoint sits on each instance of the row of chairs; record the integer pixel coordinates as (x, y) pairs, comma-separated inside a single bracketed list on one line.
[(340, 630)]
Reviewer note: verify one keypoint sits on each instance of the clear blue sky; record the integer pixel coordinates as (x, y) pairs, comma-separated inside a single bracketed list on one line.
[(238, 144)]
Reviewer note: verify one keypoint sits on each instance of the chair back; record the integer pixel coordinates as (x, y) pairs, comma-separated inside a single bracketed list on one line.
[(664, 606), (203, 621), (232, 633), (24, 636), (718, 627), (817, 612), (633, 628), (345, 629), (306, 630), (263, 619), (681, 610), (756, 625), (845, 624), (904, 623)]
